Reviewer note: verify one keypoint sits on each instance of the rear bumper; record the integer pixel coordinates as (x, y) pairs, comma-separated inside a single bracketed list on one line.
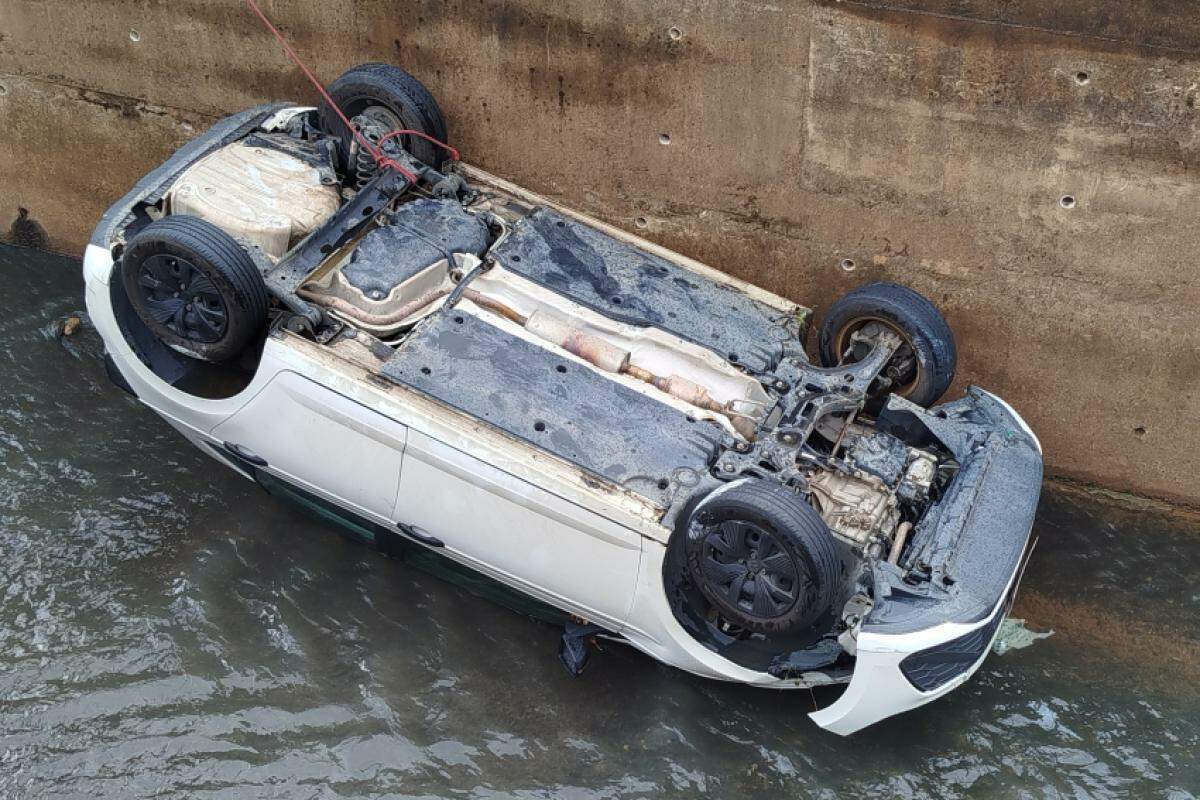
[(920, 643)]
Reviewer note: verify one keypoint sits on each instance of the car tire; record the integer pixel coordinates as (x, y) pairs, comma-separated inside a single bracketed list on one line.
[(195, 287), (928, 355), (395, 99), (763, 557)]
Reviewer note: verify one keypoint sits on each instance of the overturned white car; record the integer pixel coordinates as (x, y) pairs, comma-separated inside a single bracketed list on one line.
[(443, 362)]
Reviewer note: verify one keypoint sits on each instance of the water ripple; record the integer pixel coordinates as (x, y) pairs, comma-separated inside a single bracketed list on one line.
[(168, 630)]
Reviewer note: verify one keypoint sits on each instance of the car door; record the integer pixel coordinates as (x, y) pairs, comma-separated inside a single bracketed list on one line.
[(517, 532), (321, 442)]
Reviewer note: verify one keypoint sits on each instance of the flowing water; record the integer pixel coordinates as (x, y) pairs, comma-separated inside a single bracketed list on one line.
[(169, 630)]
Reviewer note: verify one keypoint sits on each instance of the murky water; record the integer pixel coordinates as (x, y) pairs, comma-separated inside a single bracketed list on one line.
[(168, 629)]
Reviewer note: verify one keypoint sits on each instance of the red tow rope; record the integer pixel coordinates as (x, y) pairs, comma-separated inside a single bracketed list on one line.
[(393, 134), (377, 154)]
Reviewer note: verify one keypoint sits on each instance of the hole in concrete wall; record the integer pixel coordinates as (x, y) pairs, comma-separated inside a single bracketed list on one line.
[(1067, 201), (539, 426), (664, 138), (675, 33), (1140, 430), (134, 36), (640, 222), (848, 265), (1082, 78), (3, 90)]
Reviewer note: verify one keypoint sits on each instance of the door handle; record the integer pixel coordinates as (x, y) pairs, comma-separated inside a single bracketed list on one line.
[(246, 455), (419, 535)]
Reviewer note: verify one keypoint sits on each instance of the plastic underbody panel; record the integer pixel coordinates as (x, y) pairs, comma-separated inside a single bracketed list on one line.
[(556, 404), (418, 234), (623, 282)]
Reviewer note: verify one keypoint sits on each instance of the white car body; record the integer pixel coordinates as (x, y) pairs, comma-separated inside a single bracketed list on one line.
[(314, 418)]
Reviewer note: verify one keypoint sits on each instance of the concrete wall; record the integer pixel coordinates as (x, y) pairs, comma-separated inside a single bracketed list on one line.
[(929, 141)]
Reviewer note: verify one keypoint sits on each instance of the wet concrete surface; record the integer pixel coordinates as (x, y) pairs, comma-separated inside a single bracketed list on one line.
[(169, 630)]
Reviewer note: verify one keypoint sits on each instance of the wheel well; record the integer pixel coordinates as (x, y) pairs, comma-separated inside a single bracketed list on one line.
[(750, 650), (187, 374)]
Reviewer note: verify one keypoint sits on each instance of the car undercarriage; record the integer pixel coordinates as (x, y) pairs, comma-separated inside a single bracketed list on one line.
[(809, 508)]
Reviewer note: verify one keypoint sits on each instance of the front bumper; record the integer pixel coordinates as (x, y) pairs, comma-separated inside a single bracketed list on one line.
[(917, 645), (880, 687)]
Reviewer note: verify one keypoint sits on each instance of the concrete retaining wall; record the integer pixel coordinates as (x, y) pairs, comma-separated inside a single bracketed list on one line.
[(930, 142)]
